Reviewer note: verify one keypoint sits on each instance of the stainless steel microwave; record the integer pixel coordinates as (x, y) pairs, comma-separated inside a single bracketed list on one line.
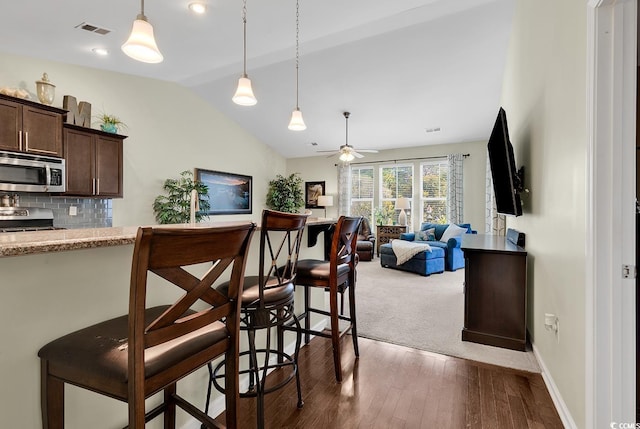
[(23, 172)]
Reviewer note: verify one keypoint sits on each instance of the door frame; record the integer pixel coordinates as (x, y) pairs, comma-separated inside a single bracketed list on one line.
[(610, 361)]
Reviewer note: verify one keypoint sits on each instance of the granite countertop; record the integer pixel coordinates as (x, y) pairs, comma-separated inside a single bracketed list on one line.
[(28, 243)]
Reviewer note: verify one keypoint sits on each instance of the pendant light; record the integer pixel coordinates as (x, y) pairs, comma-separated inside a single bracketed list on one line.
[(297, 123), (141, 45), (244, 94)]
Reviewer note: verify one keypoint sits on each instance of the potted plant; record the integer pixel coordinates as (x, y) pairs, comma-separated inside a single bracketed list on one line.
[(285, 193), (110, 123), (175, 207)]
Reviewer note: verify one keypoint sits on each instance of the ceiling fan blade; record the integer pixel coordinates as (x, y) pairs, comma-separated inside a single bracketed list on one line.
[(368, 150), (356, 154), (327, 151)]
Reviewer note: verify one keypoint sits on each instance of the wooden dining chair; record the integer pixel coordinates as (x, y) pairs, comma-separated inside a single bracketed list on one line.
[(336, 276), (148, 350), (267, 302)]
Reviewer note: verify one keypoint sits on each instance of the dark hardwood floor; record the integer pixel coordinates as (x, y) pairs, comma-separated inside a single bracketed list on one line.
[(392, 386)]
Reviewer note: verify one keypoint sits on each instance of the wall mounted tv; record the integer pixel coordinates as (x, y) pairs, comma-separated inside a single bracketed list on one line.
[(507, 181)]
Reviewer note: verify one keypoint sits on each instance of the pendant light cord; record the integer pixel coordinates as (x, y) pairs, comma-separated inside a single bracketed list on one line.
[(297, 48), (244, 37)]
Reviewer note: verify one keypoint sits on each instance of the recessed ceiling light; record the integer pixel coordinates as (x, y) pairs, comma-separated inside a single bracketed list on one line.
[(100, 51), (198, 8)]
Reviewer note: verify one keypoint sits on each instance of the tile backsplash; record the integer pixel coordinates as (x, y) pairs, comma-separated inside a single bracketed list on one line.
[(91, 212)]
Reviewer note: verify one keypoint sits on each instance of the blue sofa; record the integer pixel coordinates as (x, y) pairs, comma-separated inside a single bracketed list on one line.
[(453, 255)]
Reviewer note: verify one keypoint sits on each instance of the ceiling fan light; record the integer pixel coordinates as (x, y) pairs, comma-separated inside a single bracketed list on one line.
[(346, 157), (297, 123), (141, 45), (244, 94)]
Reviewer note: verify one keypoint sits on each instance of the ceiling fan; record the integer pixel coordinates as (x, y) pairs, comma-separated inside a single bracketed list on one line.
[(347, 152)]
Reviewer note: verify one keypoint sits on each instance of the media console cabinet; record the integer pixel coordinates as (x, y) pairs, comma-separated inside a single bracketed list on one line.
[(495, 299)]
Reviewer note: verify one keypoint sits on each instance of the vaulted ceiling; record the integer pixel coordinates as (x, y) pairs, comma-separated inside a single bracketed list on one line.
[(400, 67)]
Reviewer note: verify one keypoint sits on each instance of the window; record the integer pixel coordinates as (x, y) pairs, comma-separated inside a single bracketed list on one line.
[(435, 179), (362, 192), (395, 181)]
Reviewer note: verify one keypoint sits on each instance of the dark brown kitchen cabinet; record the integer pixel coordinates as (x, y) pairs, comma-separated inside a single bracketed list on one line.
[(27, 126), (93, 162)]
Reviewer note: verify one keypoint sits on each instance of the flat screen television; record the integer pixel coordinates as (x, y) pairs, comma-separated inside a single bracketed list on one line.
[(507, 180)]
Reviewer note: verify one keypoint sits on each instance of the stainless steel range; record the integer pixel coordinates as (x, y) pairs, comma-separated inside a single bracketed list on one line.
[(17, 219)]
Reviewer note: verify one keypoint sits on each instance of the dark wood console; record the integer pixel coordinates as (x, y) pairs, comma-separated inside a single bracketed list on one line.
[(495, 301)]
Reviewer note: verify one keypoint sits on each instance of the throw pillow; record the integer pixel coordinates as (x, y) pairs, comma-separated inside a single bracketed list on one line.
[(452, 231), (426, 235)]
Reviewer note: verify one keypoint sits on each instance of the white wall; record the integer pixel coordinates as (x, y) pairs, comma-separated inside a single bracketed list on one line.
[(320, 168), (544, 95), (170, 130)]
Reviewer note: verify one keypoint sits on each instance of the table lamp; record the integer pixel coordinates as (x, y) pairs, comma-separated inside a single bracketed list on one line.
[(402, 204), (325, 201)]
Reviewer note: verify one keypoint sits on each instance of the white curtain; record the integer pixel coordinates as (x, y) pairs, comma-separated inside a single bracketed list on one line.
[(454, 190), (495, 223), (344, 189)]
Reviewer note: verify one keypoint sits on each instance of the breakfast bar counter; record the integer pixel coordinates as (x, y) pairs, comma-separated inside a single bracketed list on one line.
[(27, 243)]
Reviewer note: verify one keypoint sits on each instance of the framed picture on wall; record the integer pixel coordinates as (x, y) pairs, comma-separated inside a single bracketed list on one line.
[(312, 190), (229, 193)]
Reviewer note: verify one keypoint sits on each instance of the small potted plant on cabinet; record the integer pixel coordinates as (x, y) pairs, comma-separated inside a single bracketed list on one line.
[(110, 123)]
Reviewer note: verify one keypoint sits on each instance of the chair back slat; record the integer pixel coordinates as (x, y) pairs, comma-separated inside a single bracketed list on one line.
[(166, 252), (188, 281), (343, 244), (186, 324), (194, 293), (280, 238)]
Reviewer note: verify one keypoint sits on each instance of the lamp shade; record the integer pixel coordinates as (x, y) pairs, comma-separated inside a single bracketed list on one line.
[(141, 44), (297, 123), (244, 94), (325, 201), (402, 203)]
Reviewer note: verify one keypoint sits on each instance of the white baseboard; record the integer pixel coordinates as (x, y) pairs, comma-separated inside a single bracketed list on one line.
[(556, 397), (217, 406)]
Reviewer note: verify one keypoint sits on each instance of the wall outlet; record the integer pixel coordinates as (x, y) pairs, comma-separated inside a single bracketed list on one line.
[(73, 211), (551, 323)]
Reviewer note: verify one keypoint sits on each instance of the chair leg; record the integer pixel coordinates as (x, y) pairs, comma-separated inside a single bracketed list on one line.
[(170, 407), (254, 372), (295, 360), (335, 334), (352, 316), (280, 335), (307, 317), (52, 398)]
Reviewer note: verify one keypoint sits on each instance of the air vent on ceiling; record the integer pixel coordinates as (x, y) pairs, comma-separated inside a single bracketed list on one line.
[(92, 28)]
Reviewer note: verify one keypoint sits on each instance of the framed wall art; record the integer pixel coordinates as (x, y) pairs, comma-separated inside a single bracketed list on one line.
[(229, 193), (312, 190)]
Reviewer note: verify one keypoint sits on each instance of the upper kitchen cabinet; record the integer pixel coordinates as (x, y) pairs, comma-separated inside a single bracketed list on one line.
[(30, 127), (94, 162)]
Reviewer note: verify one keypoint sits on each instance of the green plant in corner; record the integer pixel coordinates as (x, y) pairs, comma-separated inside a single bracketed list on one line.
[(285, 193), (175, 207)]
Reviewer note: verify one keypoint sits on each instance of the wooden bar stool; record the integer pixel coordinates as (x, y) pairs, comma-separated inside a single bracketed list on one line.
[(267, 302), (335, 276), (147, 351)]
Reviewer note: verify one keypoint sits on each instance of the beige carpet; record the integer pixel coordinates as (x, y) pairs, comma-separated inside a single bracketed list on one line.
[(425, 313)]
